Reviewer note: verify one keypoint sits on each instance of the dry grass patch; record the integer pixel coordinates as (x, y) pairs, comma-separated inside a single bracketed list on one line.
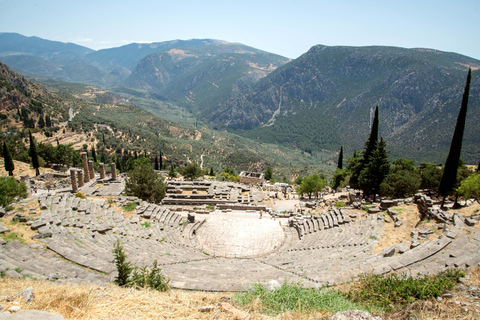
[(112, 302), (22, 168), (23, 231), (390, 236)]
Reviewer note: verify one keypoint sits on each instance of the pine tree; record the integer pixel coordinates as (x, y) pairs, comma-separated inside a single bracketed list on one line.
[(94, 154), (340, 159), (449, 177), (9, 165), (34, 155)]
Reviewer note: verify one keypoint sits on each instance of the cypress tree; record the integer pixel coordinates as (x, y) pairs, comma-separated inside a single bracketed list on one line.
[(94, 154), (7, 158), (41, 122), (478, 168), (451, 165), (160, 164), (340, 159), (212, 173), (370, 145), (156, 163), (34, 155), (48, 121)]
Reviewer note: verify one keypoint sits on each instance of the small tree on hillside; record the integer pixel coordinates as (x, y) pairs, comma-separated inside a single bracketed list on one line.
[(470, 187), (449, 177), (172, 172), (10, 189), (402, 181), (144, 183), (8, 161), (268, 173), (191, 171), (430, 176), (311, 185)]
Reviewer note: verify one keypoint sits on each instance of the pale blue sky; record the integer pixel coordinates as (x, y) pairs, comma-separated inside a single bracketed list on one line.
[(285, 27)]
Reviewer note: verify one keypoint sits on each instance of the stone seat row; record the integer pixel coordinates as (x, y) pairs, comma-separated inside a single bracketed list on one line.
[(34, 262)]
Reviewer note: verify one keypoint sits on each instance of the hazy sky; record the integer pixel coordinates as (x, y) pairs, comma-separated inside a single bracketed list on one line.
[(285, 27)]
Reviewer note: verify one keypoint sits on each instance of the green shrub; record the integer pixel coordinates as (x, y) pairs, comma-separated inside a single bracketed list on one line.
[(384, 290), (124, 268), (10, 189), (340, 204), (139, 277), (129, 206), (292, 295), (13, 236), (80, 195), (152, 278)]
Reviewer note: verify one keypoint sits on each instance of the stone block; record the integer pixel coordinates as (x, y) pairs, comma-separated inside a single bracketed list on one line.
[(37, 224), (470, 222), (373, 210)]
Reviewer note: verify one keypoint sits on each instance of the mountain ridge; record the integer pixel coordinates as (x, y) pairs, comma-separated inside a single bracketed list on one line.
[(319, 101)]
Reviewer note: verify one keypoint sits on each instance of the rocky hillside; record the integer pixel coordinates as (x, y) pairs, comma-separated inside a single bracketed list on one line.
[(202, 77), (320, 101), (36, 57), (116, 126), (24, 101), (326, 98)]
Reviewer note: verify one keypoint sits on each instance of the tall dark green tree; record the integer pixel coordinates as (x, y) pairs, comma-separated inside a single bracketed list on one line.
[(34, 155), (375, 170), (41, 122), (48, 121), (156, 167), (340, 159), (8, 161), (449, 176), (94, 154), (144, 183), (268, 173), (160, 161), (370, 145)]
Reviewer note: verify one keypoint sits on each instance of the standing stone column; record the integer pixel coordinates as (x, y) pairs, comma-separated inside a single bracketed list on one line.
[(102, 170), (86, 175), (90, 170), (80, 178), (73, 177), (114, 170)]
